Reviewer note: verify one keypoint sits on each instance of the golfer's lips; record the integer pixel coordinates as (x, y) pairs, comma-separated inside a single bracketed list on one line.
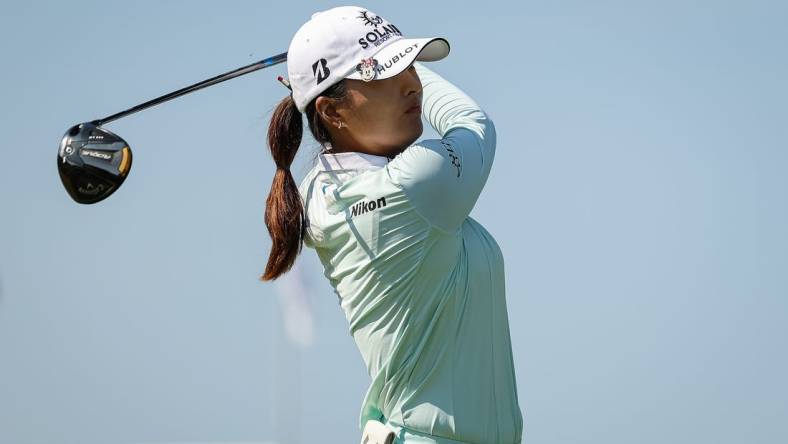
[(415, 108)]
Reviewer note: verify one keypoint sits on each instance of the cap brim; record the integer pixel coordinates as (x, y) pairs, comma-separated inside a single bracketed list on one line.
[(398, 56)]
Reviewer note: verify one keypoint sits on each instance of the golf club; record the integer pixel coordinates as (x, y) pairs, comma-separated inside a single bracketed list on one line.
[(93, 162)]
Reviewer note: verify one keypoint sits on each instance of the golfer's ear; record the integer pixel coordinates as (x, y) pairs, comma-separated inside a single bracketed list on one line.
[(327, 108)]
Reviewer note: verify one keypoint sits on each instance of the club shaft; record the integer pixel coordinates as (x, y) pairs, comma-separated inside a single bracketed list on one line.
[(279, 58)]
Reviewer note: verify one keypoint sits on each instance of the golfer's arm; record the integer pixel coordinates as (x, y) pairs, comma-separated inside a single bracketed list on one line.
[(444, 177), (446, 107)]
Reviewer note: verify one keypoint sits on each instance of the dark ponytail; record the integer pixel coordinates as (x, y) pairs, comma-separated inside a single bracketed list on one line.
[(284, 211), (285, 217)]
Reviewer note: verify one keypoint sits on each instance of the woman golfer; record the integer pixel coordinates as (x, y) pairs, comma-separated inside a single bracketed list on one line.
[(420, 282)]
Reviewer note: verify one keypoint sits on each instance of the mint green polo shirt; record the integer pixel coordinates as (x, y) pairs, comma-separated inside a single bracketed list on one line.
[(420, 282)]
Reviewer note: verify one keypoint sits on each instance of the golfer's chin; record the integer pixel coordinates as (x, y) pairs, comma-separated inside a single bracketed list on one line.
[(413, 132), (410, 135)]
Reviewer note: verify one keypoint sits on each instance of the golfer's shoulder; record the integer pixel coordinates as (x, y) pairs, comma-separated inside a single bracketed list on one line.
[(432, 163), (314, 209), (307, 183)]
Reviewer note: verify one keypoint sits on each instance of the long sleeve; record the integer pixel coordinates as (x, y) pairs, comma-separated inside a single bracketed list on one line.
[(444, 177), (421, 284)]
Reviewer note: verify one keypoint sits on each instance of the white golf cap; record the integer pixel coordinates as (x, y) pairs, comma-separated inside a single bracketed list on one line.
[(351, 42)]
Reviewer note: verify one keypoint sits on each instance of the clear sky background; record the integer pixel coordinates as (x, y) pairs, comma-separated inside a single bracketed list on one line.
[(638, 195)]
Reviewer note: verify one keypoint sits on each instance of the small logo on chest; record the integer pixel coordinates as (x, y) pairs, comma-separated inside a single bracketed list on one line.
[(367, 206)]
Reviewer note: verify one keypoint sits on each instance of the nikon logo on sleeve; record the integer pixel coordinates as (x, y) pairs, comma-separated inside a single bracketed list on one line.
[(365, 207)]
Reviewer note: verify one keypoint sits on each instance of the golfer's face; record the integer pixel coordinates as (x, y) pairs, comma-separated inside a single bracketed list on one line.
[(380, 115)]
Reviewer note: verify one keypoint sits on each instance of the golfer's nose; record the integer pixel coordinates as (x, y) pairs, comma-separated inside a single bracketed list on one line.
[(411, 84)]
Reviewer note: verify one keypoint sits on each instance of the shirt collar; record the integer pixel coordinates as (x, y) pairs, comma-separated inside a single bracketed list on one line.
[(350, 160)]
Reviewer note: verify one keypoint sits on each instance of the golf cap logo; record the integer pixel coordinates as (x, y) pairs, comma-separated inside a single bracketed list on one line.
[(402, 55), (320, 70), (368, 69), (380, 32), (369, 19)]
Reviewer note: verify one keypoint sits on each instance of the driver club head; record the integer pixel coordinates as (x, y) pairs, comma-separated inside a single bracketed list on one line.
[(92, 162)]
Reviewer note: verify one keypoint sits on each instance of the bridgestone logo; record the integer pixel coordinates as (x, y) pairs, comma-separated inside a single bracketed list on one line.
[(365, 207), (320, 70)]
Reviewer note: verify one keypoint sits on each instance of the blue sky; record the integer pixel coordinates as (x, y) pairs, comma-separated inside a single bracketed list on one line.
[(638, 195)]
